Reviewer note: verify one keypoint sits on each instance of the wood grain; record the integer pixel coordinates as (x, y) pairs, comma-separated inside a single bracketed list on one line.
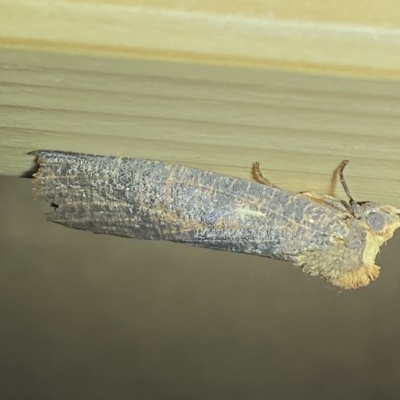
[(220, 118), (352, 38)]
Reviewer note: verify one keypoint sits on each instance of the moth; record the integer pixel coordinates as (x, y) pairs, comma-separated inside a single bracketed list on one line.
[(152, 200)]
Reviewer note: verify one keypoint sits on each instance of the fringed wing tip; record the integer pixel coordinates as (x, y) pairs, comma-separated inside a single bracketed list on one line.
[(358, 278), (345, 274)]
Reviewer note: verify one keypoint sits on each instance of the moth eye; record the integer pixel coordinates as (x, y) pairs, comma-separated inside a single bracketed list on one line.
[(376, 221)]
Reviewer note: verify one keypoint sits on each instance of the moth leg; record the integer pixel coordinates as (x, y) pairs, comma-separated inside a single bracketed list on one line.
[(259, 177), (352, 203)]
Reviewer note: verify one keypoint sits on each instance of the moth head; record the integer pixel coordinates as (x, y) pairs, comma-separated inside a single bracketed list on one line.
[(382, 221), (379, 221)]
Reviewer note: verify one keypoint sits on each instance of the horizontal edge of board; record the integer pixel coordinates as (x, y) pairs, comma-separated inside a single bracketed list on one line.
[(181, 35)]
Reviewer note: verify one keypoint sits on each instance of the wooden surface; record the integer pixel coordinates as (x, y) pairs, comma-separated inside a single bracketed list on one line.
[(298, 86), (215, 117), (359, 37)]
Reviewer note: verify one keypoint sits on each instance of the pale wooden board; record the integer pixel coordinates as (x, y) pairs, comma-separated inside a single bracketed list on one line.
[(347, 37), (298, 126)]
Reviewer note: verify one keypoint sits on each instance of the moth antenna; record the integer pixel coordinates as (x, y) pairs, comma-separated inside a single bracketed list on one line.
[(352, 203)]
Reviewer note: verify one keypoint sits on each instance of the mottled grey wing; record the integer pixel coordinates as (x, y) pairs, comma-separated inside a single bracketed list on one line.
[(152, 200)]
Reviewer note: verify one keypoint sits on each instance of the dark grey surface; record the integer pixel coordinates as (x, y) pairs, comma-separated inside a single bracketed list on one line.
[(87, 316)]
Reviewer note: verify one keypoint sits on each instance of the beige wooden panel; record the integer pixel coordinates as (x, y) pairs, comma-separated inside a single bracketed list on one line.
[(362, 12), (220, 118), (348, 37)]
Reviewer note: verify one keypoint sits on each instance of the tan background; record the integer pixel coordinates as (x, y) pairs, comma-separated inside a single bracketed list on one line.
[(87, 316)]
